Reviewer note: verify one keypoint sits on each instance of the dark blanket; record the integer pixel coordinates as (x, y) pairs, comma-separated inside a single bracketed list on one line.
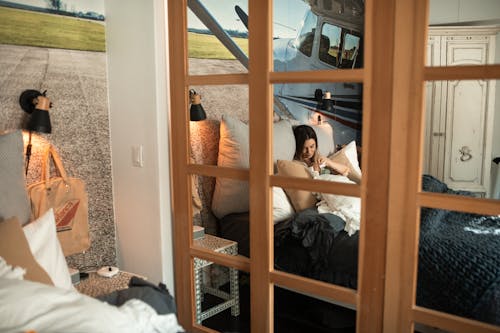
[(315, 245), (158, 297), (459, 255), (459, 260)]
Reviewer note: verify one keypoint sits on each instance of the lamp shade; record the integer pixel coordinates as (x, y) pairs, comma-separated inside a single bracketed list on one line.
[(196, 111), (37, 105), (40, 121)]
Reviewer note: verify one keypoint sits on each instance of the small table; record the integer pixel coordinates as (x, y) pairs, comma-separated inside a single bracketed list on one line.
[(96, 285), (232, 300)]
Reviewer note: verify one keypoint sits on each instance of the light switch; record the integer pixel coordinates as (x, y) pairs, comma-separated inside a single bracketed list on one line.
[(137, 156)]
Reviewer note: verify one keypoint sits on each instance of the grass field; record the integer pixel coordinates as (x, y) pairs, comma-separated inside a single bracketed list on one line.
[(22, 27), (208, 46)]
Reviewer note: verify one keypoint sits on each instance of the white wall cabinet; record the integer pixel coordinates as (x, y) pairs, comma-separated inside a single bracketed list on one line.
[(459, 118)]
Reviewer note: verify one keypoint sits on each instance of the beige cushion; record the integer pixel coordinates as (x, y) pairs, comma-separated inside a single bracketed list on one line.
[(349, 156), (13, 195), (14, 248), (231, 196), (300, 199)]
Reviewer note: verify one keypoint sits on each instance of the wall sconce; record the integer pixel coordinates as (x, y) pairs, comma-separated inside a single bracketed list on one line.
[(196, 112), (37, 105)]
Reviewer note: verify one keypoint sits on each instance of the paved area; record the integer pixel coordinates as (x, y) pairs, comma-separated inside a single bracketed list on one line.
[(76, 84)]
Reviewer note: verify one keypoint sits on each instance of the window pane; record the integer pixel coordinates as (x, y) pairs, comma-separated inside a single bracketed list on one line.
[(305, 39), (220, 101), (222, 294), (217, 37), (461, 139), (463, 33), (459, 266), (329, 45), (317, 35), (295, 312), (335, 104)]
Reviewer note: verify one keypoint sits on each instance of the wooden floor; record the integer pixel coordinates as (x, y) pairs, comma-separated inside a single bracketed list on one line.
[(294, 313)]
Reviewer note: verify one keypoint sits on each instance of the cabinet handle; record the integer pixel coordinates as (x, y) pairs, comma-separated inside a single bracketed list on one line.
[(438, 134), (465, 153)]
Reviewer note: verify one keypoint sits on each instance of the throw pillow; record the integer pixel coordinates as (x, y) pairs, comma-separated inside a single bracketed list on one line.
[(231, 196), (348, 155), (282, 209), (14, 199), (300, 199), (14, 248), (44, 244)]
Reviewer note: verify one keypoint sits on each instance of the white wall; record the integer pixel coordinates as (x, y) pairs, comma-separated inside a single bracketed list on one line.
[(135, 39), (455, 11)]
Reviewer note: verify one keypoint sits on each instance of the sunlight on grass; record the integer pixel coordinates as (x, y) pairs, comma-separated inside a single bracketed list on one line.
[(208, 46), (22, 27)]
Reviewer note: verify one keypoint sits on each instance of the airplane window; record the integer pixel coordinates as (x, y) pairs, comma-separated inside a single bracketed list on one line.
[(329, 44), (350, 51), (306, 36)]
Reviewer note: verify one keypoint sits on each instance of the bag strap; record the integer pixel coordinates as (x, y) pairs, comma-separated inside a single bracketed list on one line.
[(51, 152)]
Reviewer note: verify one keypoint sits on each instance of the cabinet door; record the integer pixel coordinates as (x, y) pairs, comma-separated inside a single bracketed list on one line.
[(465, 130), (466, 110), (464, 50), (435, 119)]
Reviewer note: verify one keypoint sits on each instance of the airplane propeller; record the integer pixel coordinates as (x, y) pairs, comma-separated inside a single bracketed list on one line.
[(242, 15)]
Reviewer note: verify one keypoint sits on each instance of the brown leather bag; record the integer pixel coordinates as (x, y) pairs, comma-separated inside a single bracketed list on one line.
[(67, 196)]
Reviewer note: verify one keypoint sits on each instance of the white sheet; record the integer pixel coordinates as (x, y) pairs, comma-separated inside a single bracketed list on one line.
[(348, 208), (26, 305)]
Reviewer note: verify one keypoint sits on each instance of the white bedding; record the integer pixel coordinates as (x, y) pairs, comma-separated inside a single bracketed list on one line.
[(26, 305), (348, 208)]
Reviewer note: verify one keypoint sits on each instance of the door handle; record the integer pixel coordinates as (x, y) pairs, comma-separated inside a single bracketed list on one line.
[(465, 153)]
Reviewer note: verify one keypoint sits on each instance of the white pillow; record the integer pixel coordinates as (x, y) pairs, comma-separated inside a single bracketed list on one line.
[(324, 134), (326, 144), (44, 244), (348, 208), (348, 155), (31, 306), (231, 196), (282, 208)]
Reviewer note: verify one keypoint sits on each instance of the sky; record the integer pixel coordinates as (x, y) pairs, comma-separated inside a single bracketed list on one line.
[(288, 15), (71, 5)]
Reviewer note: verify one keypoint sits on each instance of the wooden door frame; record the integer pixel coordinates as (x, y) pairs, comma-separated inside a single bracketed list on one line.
[(393, 80)]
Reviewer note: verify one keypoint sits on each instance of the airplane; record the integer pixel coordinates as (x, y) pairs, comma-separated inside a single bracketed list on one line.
[(330, 37)]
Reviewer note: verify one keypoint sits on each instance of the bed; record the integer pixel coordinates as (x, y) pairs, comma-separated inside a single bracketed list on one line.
[(36, 291), (459, 258)]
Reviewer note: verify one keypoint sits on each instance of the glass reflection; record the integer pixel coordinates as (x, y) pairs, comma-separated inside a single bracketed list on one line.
[(335, 105), (463, 32), (459, 266), (461, 140), (217, 37), (329, 35), (221, 293), (295, 312)]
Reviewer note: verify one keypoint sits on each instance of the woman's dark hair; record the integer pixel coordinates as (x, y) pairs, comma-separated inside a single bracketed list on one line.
[(303, 133)]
